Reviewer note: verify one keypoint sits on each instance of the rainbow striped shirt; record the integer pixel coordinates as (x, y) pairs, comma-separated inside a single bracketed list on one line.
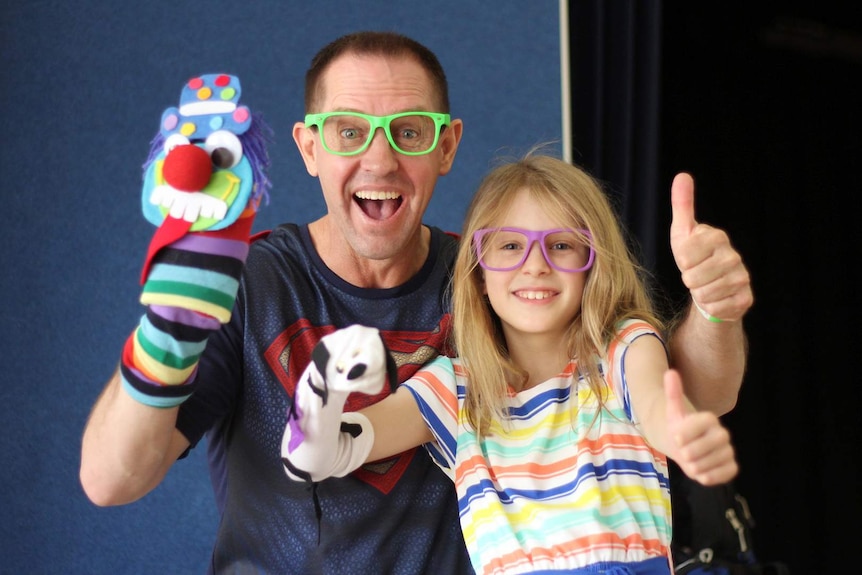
[(553, 490)]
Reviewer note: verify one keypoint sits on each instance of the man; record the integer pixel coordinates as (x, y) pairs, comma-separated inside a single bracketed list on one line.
[(369, 260)]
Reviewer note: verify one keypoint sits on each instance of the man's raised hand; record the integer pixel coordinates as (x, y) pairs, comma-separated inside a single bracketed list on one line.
[(711, 268)]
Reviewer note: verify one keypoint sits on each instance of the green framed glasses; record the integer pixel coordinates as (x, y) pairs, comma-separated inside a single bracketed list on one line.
[(350, 133)]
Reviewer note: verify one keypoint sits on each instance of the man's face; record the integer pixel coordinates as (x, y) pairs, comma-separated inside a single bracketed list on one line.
[(377, 198)]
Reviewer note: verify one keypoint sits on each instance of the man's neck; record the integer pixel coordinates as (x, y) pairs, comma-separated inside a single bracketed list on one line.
[(340, 257)]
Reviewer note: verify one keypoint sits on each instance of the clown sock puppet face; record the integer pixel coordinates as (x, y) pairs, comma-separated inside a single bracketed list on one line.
[(203, 184)]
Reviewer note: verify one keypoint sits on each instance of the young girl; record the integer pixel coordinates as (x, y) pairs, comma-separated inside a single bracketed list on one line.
[(555, 419)]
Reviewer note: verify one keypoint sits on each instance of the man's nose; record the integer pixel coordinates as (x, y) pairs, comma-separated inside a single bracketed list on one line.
[(380, 154)]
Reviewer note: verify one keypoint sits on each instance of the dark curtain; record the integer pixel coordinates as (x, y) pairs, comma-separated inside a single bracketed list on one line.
[(762, 103), (615, 58)]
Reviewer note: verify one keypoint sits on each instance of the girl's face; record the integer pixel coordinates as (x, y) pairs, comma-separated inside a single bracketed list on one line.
[(534, 299)]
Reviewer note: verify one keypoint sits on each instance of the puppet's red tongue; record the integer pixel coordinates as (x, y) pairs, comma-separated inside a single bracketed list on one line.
[(379, 209), (169, 231)]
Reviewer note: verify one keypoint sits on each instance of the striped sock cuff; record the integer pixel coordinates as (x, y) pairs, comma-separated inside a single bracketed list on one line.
[(145, 388), (178, 349)]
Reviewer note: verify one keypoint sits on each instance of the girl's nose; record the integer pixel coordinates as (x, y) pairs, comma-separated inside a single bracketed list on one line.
[(535, 262)]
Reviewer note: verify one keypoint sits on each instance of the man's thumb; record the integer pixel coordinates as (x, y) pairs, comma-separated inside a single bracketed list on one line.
[(682, 207)]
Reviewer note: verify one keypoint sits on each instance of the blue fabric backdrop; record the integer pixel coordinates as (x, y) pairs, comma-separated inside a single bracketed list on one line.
[(83, 88)]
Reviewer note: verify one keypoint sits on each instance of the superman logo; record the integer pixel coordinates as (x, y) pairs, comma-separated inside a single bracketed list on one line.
[(290, 353)]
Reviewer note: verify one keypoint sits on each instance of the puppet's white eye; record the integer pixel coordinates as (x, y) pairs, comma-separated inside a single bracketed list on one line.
[(175, 140), (224, 149)]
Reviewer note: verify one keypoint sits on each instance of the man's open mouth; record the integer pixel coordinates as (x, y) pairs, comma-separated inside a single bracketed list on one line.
[(378, 205)]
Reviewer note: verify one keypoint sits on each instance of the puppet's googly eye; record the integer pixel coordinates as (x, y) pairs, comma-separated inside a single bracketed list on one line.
[(224, 148), (175, 140)]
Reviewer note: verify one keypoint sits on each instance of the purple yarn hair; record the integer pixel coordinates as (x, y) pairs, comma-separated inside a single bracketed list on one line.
[(254, 147)]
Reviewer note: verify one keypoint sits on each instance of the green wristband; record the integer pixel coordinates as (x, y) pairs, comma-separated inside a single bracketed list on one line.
[(706, 314)]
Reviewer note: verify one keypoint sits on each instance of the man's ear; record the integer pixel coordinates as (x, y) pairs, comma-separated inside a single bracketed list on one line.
[(448, 144), (306, 140)]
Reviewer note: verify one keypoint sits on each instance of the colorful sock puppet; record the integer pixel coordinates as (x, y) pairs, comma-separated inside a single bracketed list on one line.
[(320, 440), (204, 180)]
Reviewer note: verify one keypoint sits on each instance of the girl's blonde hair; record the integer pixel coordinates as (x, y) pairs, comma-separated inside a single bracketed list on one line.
[(615, 289)]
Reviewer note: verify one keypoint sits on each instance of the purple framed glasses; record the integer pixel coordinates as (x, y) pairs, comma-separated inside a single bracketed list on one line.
[(505, 249)]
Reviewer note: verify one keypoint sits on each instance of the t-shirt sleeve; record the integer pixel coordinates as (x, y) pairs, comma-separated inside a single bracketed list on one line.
[(435, 390), (219, 374), (628, 332)]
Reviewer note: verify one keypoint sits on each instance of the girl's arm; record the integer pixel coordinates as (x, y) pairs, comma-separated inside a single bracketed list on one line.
[(398, 425), (695, 440), (320, 439)]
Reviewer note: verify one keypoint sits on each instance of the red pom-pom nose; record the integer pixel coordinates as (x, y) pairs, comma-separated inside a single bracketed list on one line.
[(187, 168)]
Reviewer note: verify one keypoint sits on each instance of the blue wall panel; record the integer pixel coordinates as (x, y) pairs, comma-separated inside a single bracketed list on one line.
[(82, 88)]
